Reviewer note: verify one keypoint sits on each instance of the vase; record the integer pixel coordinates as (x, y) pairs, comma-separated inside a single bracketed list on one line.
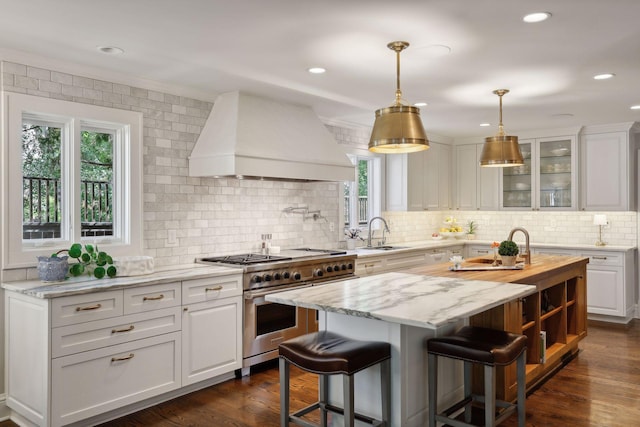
[(351, 244), (471, 236), (508, 261), (52, 269)]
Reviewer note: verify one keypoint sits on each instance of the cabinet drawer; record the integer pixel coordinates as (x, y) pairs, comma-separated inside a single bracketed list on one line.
[(368, 267), (87, 336), (86, 307), (146, 298), (200, 290), (604, 258), (410, 259), (94, 382)]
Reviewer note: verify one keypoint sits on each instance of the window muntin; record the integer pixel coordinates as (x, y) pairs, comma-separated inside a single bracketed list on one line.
[(120, 137)]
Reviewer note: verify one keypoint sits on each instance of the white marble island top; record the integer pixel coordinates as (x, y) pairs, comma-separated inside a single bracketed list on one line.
[(408, 299)]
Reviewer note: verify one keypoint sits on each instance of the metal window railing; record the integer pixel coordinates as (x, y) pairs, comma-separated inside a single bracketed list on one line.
[(42, 208), (362, 207)]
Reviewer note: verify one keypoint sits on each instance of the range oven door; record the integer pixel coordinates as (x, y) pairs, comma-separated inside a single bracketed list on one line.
[(267, 324)]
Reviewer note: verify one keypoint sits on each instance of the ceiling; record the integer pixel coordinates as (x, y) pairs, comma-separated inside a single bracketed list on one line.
[(201, 48)]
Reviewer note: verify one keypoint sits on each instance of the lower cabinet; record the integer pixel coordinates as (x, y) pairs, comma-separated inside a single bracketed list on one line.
[(75, 357)]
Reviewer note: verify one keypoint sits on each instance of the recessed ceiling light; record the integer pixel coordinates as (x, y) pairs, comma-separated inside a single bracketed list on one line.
[(484, 125), (111, 50), (532, 18), (420, 104), (603, 76), (316, 70), (635, 107)]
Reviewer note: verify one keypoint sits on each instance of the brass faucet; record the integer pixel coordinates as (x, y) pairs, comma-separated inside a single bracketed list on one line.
[(527, 254), (386, 228)]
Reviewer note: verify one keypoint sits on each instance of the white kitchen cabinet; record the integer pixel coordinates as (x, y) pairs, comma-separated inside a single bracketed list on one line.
[(381, 261), (547, 180), (610, 281), (477, 188), (73, 358), (419, 181), (211, 328), (472, 251), (610, 148)]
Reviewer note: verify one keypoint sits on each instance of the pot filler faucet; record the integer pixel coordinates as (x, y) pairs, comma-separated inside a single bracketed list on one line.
[(527, 254), (386, 228)]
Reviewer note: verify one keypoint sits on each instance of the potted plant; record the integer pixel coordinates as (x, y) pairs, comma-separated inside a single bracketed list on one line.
[(472, 226), (508, 250), (352, 234), (90, 260)]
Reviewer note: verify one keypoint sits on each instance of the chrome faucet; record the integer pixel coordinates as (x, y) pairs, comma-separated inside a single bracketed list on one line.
[(527, 254), (386, 228)]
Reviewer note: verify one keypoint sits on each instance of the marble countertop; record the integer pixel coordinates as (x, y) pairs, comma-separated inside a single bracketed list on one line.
[(446, 243), (86, 284), (408, 299)]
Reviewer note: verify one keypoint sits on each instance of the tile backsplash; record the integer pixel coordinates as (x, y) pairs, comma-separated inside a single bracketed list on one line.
[(543, 227)]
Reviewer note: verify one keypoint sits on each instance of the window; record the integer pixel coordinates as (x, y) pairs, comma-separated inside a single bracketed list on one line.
[(75, 177), (362, 197)]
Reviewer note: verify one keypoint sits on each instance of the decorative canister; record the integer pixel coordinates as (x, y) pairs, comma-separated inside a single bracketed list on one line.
[(53, 269)]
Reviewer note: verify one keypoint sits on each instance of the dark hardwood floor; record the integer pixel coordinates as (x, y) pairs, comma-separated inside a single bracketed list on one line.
[(600, 387)]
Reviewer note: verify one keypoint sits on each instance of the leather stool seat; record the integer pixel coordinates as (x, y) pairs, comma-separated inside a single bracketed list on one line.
[(329, 353), (491, 348), (326, 353)]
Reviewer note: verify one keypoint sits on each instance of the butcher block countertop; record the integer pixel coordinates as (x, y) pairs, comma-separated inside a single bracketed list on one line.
[(542, 272)]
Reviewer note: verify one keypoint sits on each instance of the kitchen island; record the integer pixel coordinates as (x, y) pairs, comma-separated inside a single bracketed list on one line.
[(405, 308)]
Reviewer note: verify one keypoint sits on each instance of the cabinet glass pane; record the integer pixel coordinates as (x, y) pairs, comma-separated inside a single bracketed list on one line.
[(517, 182), (555, 174)]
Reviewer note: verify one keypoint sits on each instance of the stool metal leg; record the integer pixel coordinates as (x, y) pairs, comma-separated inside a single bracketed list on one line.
[(467, 390), (347, 384), (284, 393), (489, 396), (432, 372), (385, 392), (323, 397), (522, 385)]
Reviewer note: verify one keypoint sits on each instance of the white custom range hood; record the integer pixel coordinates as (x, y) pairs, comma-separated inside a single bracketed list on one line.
[(254, 137)]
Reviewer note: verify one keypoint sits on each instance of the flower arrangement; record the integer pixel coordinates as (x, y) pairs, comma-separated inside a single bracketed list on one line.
[(508, 248), (353, 233), (495, 246)]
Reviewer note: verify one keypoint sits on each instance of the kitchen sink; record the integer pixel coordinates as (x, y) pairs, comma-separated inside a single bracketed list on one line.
[(383, 248)]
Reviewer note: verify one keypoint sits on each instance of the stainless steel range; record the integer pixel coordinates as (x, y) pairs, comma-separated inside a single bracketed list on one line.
[(267, 324)]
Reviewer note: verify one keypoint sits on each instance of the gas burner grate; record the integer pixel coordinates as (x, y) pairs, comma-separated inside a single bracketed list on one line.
[(246, 259)]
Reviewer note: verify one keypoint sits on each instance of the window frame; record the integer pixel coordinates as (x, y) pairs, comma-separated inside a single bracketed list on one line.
[(374, 183), (127, 180)]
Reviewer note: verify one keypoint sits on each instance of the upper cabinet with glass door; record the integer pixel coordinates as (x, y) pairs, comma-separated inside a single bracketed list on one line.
[(547, 179)]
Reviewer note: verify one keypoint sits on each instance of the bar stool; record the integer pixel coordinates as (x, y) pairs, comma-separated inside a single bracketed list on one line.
[(490, 348), (326, 353)]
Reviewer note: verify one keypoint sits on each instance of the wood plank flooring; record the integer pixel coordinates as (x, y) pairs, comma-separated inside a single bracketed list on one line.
[(600, 387)]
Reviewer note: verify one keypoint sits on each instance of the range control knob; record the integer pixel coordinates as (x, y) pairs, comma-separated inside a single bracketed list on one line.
[(256, 279), (296, 276), (267, 277), (344, 266), (318, 273), (329, 269), (277, 276), (336, 268), (350, 266), (286, 275)]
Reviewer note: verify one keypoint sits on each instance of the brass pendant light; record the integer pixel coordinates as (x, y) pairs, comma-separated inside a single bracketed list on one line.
[(398, 128), (501, 150)]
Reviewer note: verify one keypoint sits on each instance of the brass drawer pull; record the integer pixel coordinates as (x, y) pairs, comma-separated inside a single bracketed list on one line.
[(482, 252), (217, 288), (91, 307), (604, 258), (116, 331), (153, 298), (120, 359)]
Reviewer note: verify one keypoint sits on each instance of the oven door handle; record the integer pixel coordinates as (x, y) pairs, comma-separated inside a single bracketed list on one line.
[(253, 295)]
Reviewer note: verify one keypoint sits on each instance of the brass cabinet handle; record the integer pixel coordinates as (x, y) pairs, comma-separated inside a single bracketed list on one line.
[(482, 252), (217, 288), (599, 257), (153, 298), (120, 359), (116, 331), (90, 307)]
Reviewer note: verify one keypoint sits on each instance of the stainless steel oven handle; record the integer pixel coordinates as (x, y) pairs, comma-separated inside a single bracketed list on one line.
[(253, 295)]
